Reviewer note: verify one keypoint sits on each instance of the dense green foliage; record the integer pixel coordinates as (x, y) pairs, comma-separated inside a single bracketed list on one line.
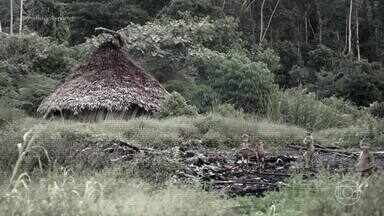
[(175, 105)]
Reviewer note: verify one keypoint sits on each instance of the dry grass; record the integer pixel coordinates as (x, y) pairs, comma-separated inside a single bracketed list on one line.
[(108, 193)]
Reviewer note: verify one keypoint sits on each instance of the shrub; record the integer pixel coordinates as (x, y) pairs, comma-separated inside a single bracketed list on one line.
[(228, 110), (358, 83), (57, 62), (377, 109), (8, 91), (304, 109), (289, 57), (322, 58), (269, 57), (175, 105), (33, 90), (237, 80), (204, 97), (302, 76), (199, 95), (11, 134), (9, 114), (201, 8)]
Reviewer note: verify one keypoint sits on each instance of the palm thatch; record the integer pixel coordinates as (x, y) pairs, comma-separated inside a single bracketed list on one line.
[(109, 82)]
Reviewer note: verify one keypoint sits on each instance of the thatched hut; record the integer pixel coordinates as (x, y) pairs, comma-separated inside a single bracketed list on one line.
[(109, 84)]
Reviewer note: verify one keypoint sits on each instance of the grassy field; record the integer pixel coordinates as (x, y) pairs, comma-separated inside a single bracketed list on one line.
[(69, 185), (112, 192)]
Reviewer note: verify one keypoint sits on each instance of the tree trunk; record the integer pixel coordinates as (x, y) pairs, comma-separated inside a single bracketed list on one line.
[(11, 20), (21, 17), (306, 26), (375, 26), (269, 21), (261, 22), (350, 28), (357, 35), (320, 20), (1, 30), (253, 25)]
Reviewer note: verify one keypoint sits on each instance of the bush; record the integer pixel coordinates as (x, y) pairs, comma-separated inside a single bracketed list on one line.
[(322, 58), (377, 109), (9, 114), (12, 133), (201, 8), (8, 90), (302, 76), (228, 110), (289, 57), (33, 90), (237, 80), (269, 57), (29, 67), (304, 109), (57, 62), (358, 83), (175, 105), (199, 95)]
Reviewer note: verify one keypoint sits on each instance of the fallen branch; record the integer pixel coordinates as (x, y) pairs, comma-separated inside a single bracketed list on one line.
[(136, 148), (325, 150)]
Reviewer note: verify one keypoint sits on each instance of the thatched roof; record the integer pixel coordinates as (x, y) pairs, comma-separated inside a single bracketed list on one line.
[(110, 81)]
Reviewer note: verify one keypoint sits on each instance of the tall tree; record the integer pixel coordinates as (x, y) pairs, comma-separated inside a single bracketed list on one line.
[(261, 22), (11, 19), (357, 35), (320, 21), (350, 28), (269, 21), (21, 17)]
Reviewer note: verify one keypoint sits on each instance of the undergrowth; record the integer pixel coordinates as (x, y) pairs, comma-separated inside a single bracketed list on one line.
[(62, 192)]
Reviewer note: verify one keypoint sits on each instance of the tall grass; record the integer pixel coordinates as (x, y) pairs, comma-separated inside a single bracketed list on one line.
[(298, 107), (65, 139), (109, 193), (372, 133), (326, 195)]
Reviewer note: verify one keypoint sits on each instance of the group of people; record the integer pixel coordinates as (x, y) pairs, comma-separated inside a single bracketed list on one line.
[(255, 150)]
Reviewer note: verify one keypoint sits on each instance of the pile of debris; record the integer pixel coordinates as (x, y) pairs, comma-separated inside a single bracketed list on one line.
[(227, 172)]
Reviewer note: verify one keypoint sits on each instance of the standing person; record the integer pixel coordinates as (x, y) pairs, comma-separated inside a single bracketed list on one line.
[(311, 159), (366, 162)]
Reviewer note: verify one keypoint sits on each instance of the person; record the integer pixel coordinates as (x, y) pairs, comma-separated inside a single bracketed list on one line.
[(311, 158), (260, 152), (365, 164), (245, 151)]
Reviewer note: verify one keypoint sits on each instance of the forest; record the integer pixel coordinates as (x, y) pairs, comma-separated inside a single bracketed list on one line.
[(191, 107)]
